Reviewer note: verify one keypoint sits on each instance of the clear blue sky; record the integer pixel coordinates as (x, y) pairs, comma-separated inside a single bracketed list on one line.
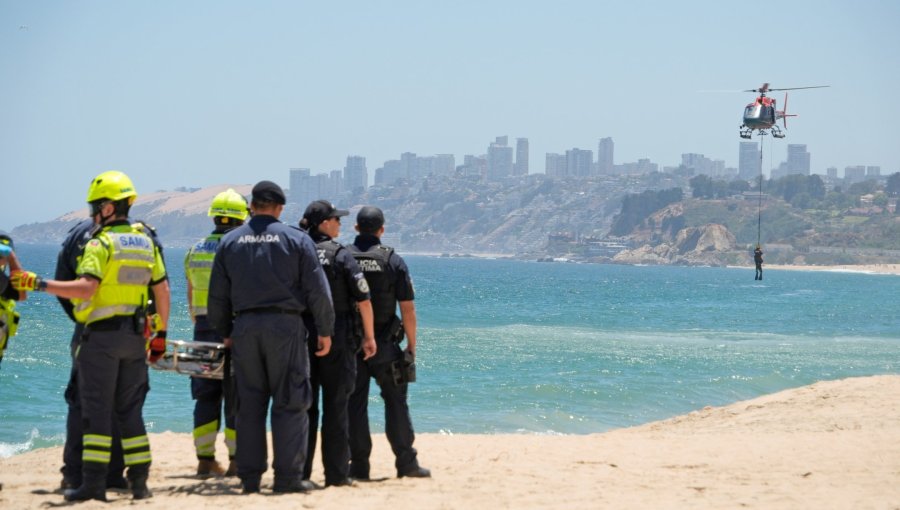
[(205, 92)]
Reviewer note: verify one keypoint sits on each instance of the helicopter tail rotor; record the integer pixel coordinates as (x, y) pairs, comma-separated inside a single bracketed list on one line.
[(783, 115)]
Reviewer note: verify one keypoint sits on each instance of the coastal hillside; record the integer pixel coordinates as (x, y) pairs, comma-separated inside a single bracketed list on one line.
[(179, 217), (643, 219)]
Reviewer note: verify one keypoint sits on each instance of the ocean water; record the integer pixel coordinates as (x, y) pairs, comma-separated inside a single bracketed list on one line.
[(547, 348)]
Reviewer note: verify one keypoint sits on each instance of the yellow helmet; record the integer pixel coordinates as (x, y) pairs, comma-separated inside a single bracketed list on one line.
[(230, 204), (112, 185)]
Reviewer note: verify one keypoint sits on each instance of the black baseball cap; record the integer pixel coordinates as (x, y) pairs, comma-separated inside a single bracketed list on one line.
[(370, 218), (320, 210), (268, 191)]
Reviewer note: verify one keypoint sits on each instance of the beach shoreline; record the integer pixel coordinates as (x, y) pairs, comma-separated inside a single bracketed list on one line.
[(890, 269), (833, 444)]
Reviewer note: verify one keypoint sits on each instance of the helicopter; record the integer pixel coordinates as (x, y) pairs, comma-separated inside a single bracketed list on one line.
[(762, 114)]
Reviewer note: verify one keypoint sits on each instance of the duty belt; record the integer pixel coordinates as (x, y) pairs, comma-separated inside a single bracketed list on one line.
[(113, 323)]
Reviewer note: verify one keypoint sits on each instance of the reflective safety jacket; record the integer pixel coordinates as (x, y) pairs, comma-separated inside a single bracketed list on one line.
[(9, 321), (198, 264), (126, 261)]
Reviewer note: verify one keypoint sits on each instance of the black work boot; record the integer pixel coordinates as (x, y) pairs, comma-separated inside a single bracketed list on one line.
[(139, 489), (137, 475), (93, 485)]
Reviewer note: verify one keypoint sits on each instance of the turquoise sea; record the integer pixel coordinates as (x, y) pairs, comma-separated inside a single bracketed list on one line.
[(547, 348)]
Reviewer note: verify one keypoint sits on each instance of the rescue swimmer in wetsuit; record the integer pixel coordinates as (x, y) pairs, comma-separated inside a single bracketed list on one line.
[(335, 373), (392, 367), (758, 259), (265, 275), (110, 297), (9, 317), (228, 210)]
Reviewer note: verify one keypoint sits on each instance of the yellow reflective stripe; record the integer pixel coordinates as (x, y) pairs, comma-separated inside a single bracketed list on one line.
[(107, 312), (231, 441), (200, 264), (137, 458), (140, 257), (206, 428), (97, 440), (95, 456), (135, 442), (205, 438)]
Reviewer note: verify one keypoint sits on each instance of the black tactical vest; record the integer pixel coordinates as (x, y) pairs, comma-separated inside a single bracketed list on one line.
[(375, 264), (327, 251)]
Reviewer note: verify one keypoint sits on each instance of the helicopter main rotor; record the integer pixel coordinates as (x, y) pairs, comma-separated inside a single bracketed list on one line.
[(765, 88)]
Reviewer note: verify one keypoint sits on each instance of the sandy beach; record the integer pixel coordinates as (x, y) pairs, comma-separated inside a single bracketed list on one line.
[(856, 268), (834, 444)]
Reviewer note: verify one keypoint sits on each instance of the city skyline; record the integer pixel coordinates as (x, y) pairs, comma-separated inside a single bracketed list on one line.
[(606, 145), (198, 93)]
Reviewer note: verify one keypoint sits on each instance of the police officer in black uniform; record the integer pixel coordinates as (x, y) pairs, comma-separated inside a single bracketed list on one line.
[(265, 275), (335, 373), (390, 285)]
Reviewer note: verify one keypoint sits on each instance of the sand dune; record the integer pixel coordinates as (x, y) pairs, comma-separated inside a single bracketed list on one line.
[(834, 444)]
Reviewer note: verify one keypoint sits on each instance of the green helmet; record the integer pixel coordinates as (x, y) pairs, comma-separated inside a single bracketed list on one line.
[(112, 185), (229, 204)]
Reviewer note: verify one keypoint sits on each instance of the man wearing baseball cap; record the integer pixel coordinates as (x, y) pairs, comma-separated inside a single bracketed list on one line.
[(335, 373), (265, 275), (392, 368)]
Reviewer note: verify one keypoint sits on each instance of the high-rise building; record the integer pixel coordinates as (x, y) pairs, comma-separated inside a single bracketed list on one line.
[(304, 188), (749, 161), (473, 166), (703, 165), (831, 172), (555, 165), (579, 162), (605, 162), (298, 181), (499, 159), (854, 174), (521, 166), (356, 176), (797, 159), (873, 172)]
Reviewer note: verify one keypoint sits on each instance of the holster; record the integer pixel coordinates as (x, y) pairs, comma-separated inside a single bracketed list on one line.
[(388, 340), (404, 371)]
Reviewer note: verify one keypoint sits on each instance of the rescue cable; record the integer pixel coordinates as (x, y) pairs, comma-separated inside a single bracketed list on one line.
[(762, 135)]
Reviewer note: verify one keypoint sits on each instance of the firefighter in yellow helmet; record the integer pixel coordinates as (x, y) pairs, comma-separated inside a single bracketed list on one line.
[(110, 297), (228, 210)]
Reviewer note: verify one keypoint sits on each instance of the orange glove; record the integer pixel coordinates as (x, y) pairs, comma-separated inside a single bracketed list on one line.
[(157, 346), (26, 280)]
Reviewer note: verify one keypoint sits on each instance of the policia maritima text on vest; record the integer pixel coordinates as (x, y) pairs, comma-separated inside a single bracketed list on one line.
[(228, 210), (265, 275), (335, 373), (110, 297), (390, 285)]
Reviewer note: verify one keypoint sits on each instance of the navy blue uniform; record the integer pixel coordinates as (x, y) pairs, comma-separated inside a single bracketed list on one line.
[(335, 373), (265, 275), (392, 285)]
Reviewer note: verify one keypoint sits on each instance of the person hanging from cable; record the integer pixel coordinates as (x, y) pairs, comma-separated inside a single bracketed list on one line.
[(758, 259)]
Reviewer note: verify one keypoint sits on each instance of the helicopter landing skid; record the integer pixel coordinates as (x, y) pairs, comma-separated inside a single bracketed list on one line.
[(745, 133), (777, 133)]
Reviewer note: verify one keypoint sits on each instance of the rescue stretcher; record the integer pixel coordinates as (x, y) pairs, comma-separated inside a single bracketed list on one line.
[(196, 359)]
